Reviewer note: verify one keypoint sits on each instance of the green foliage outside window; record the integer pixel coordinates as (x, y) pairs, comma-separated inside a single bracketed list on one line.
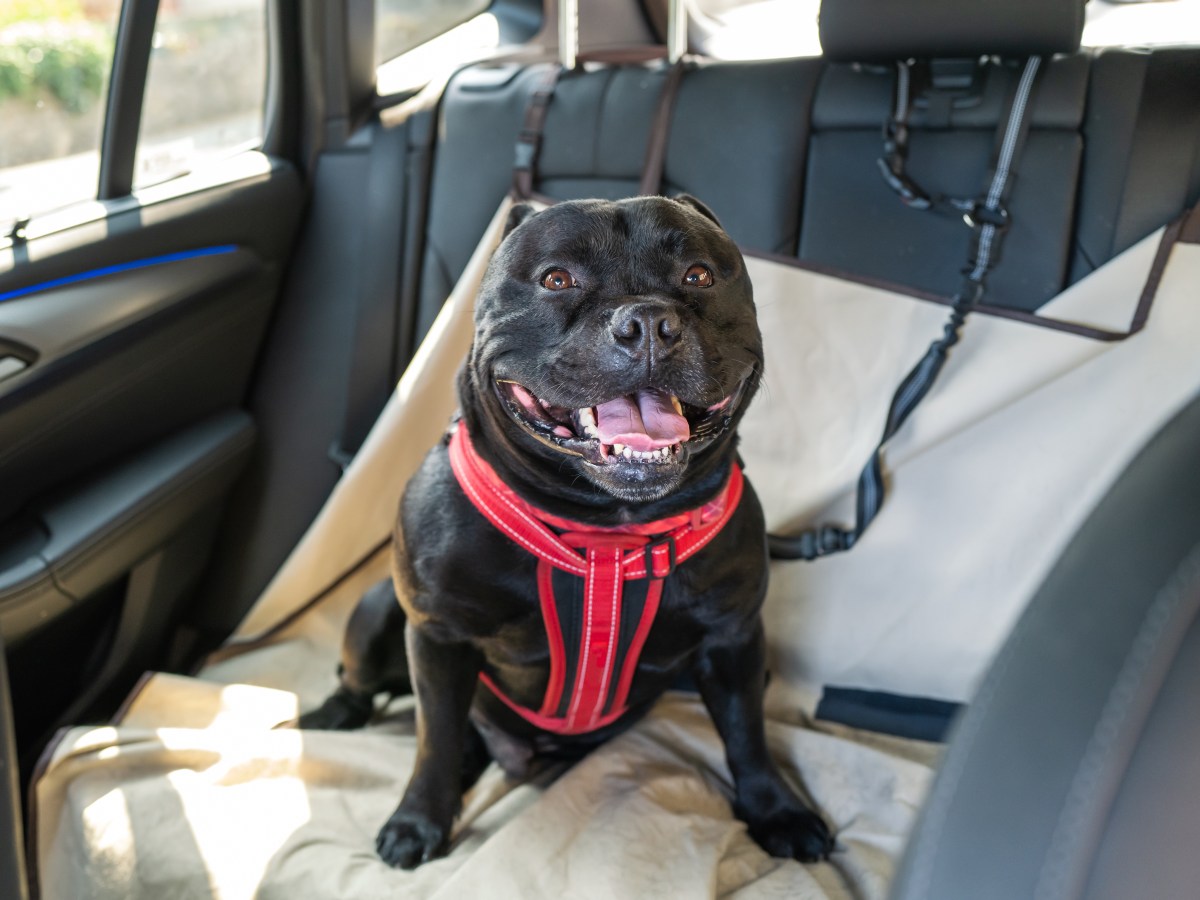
[(47, 47)]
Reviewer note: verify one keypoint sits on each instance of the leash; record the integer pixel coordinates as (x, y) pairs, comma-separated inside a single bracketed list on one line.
[(989, 219)]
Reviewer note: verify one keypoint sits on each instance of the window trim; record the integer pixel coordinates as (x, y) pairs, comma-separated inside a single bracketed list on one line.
[(126, 91), (121, 129)]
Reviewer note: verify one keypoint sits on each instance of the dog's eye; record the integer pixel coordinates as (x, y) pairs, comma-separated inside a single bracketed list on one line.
[(558, 280), (698, 276)]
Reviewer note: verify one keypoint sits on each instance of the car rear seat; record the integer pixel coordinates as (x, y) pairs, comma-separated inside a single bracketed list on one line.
[(785, 152), (737, 140)]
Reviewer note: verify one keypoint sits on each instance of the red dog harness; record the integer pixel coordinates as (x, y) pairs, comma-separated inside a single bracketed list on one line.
[(599, 588)]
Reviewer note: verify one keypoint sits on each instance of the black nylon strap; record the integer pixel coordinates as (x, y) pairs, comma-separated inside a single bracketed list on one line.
[(660, 132), (989, 218), (529, 139)]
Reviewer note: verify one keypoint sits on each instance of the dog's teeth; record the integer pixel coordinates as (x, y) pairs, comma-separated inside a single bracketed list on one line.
[(619, 449), (627, 452), (678, 406), (591, 431), (587, 417), (664, 452)]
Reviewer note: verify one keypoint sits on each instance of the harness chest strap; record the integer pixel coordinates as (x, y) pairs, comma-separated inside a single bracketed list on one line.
[(594, 625)]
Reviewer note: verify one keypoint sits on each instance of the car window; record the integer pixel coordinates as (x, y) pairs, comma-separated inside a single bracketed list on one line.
[(204, 98), (55, 60), (401, 25), (766, 29), (1141, 23), (206, 86)]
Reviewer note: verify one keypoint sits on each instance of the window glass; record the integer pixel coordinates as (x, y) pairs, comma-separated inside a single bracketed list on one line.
[(401, 25), (206, 86), (762, 29), (55, 60), (1141, 23)]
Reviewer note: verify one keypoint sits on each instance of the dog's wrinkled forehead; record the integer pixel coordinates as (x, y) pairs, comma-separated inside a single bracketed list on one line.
[(625, 246)]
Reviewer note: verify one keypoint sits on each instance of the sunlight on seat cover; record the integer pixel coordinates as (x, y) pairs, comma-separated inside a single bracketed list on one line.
[(107, 828), (237, 850)]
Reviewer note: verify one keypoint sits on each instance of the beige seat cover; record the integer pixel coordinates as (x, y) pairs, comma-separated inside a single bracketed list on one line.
[(194, 794)]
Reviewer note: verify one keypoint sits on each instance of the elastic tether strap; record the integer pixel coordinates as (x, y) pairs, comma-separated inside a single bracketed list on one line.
[(989, 218)]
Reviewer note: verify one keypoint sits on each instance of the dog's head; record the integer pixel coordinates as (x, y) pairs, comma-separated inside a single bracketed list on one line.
[(614, 341)]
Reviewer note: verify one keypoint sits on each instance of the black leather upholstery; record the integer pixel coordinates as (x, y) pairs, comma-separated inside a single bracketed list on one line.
[(854, 222), (1142, 149), (1075, 771), (738, 140), (785, 152), (871, 30)]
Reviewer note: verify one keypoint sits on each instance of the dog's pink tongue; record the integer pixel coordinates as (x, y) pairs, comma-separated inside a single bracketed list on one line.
[(644, 421)]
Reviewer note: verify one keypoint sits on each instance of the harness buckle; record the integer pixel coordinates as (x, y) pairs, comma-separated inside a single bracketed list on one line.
[(979, 215), (823, 541), (525, 150), (669, 543)]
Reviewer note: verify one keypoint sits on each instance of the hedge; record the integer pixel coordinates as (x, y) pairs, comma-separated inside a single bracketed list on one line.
[(70, 61)]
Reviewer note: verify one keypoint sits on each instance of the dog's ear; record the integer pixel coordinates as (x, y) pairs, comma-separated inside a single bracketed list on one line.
[(518, 214), (689, 200)]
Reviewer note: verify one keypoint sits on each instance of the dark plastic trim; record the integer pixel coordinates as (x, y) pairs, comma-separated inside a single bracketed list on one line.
[(103, 527), (127, 87), (14, 883)]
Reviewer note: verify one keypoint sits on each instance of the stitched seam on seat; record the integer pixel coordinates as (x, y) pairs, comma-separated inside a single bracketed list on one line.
[(1125, 710)]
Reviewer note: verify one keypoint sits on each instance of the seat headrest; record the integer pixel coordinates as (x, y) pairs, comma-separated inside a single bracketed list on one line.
[(886, 30)]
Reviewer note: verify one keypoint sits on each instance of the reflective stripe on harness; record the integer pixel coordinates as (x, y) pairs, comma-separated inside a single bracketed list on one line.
[(596, 623)]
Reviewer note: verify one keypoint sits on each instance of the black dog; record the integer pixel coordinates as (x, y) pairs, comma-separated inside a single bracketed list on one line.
[(616, 348)]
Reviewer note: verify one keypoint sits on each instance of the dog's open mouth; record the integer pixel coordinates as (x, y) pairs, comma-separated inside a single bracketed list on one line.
[(650, 427)]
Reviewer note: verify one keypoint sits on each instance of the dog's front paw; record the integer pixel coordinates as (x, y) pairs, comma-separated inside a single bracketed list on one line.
[(409, 839), (792, 833), (342, 710)]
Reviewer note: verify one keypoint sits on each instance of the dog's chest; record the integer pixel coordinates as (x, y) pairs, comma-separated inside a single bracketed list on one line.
[(564, 630)]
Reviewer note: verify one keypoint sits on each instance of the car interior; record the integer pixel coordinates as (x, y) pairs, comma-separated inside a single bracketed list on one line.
[(202, 440)]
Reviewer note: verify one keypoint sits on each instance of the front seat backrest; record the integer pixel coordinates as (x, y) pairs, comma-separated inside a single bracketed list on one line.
[(1075, 771)]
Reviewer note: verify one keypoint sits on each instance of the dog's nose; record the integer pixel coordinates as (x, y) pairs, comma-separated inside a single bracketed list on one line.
[(647, 326)]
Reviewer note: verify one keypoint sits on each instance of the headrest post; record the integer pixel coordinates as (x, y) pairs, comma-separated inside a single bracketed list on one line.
[(677, 31), (568, 33)]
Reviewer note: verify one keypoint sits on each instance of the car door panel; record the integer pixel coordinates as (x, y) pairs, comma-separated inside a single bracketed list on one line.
[(135, 338), (82, 538)]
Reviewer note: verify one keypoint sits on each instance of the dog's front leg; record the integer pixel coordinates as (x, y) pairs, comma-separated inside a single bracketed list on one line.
[(444, 677), (731, 677)]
